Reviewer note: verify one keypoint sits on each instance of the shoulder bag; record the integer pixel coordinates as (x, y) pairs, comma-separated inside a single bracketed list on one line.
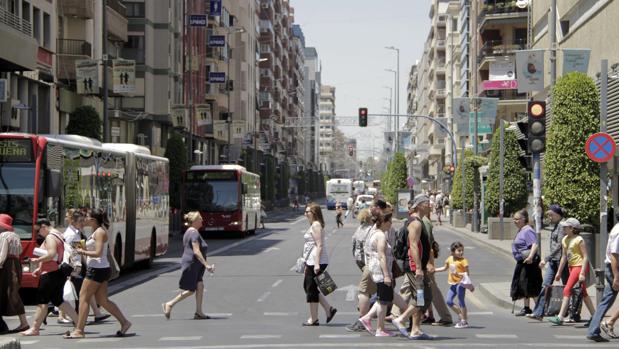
[(325, 283)]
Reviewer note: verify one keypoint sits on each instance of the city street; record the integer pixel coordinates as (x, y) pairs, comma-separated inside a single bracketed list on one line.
[(256, 301)]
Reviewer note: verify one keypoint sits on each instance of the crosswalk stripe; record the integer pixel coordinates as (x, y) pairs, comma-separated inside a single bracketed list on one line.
[(261, 336), (147, 315), (281, 314), (188, 338), (495, 336), (563, 336), (480, 313), (98, 340), (341, 336)]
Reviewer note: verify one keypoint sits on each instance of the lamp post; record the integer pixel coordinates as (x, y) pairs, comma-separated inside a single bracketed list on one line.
[(397, 96), (231, 30), (395, 127)]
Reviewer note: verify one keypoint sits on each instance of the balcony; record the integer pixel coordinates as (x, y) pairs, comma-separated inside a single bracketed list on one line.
[(266, 28), (117, 20), (265, 100), (77, 8), (441, 20), (16, 33), (504, 11), (505, 95), (267, 9), (67, 52), (497, 48)]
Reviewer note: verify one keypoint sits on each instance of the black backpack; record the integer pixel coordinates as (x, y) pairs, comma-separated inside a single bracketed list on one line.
[(400, 247)]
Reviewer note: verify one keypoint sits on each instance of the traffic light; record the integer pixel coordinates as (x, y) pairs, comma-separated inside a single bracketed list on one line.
[(350, 150), (363, 117), (537, 127)]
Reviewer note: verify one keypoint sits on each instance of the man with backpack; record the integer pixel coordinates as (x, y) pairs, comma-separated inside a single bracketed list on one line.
[(413, 246)]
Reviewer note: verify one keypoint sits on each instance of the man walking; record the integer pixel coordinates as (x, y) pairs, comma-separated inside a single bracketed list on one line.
[(611, 287), (555, 213), (416, 280)]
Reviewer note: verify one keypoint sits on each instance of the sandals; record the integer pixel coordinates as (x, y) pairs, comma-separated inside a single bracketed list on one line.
[(315, 323), (197, 316), (123, 329), (608, 329), (166, 313), (18, 330), (29, 333), (73, 335), (332, 312)]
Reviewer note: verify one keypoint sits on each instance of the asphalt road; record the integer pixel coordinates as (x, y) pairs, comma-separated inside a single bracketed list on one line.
[(256, 301)]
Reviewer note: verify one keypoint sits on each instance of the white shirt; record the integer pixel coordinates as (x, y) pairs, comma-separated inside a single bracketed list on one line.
[(613, 243), (71, 235), (310, 245)]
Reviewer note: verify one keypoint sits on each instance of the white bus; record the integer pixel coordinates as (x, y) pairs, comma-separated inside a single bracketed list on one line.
[(338, 190), (359, 187)]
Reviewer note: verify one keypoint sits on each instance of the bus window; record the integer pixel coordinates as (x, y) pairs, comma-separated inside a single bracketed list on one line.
[(17, 196), (207, 192)]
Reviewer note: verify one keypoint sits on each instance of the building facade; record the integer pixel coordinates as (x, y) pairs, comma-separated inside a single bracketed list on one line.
[(312, 88), (327, 127)]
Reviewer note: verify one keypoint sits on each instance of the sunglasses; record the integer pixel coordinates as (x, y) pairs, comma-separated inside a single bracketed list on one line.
[(306, 212)]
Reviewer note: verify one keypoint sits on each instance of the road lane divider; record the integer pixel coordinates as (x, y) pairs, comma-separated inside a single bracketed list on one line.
[(276, 283), (263, 297)]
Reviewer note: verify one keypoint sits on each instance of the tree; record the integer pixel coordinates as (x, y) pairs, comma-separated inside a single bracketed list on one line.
[(85, 121), (395, 177), (176, 152), (472, 164), (570, 178), (515, 177)]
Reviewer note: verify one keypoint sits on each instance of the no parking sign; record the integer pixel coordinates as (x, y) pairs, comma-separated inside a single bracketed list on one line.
[(600, 147)]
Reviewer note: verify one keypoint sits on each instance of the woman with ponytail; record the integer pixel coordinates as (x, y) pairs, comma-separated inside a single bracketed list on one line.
[(193, 265)]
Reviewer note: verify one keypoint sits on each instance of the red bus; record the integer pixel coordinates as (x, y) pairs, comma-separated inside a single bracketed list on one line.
[(47, 175), (227, 196)]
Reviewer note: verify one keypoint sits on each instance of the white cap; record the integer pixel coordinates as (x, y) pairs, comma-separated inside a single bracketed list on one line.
[(571, 222)]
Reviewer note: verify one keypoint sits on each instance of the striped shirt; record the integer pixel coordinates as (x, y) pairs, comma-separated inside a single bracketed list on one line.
[(10, 246)]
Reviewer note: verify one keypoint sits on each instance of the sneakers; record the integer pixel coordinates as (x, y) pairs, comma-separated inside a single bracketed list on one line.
[(556, 320), (597, 338), (366, 324), (524, 311), (380, 333), (355, 327), (608, 329), (401, 328), (64, 321), (462, 324)]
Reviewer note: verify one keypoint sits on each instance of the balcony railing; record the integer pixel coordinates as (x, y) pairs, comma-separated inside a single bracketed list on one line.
[(117, 6), (504, 94), (73, 47), (266, 26), (493, 48), (500, 7), (15, 22)]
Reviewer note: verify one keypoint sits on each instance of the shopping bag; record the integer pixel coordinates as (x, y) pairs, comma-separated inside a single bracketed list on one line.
[(467, 283), (554, 298), (326, 285), (68, 293)]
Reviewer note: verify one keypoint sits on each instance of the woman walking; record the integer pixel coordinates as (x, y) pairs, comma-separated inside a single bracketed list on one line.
[(97, 275), (10, 275), (317, 261), (338, 214), (193, 265), (575, 256), (527, 279)]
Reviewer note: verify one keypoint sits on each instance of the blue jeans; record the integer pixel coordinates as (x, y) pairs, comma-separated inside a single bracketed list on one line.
[(549, 279), (608, 298)]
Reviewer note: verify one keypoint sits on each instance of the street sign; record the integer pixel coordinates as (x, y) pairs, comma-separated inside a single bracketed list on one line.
[(215, 7), (198, 20), (600, 147), (217, 41), (217, 77)]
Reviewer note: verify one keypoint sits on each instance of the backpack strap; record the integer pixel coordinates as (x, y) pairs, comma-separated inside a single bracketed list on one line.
[(61, 255)]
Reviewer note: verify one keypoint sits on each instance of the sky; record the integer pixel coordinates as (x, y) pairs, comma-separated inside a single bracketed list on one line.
[(350, 37)]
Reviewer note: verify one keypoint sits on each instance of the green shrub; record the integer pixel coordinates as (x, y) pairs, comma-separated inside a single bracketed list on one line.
[(515, 193), (570, 178), (85, 121), (176, 152), (395, 177), (471, 169)]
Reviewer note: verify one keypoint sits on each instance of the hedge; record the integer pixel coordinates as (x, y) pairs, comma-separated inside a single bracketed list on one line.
[(85, 121), (472, 165)]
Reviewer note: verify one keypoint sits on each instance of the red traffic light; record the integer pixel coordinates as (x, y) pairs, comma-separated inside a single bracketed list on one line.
[(363, 117), (363, 111)]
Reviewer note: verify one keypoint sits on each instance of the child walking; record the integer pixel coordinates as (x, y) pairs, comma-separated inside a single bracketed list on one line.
[(458, 267)]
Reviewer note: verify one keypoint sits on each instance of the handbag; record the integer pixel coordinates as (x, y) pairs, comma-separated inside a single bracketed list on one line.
[(325, 283), (300, 266), (114, 268), (467, 283), (68, 292)]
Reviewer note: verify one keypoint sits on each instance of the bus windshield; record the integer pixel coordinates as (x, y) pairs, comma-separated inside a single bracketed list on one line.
[(211, 195), (17, 196)]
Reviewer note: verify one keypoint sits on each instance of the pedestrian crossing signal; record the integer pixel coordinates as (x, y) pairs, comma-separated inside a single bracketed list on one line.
[(363, 117)]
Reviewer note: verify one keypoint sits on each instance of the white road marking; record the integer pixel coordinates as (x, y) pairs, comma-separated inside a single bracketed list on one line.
[(147, 315), (29, 342), (219, 315), (281, 314), (271, 249), (562, 336), (475, 300), (348, 313), (495, 336), (188, 338), (332, 336), (276, 283), (351, 291), (263, 297), (261, 336), (98, 340), (480, 313)]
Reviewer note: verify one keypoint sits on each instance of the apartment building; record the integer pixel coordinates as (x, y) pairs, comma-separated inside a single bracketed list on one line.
[(327, 127), (27, 73), (312, 88)]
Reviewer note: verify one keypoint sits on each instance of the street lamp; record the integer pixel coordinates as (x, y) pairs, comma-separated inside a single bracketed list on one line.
[(397, 94), (231, 30), (395, 108)]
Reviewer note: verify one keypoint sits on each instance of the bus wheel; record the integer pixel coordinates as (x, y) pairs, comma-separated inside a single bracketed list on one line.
[(153, 250)]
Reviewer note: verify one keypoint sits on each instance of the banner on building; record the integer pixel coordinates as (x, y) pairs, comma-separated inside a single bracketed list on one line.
[(203, 116), (123, 75), (530, 70), (220, 130), (238, 129), (461, 110), (502, 70), (87, 76), (178, 116), (488, 109), (576, 60)]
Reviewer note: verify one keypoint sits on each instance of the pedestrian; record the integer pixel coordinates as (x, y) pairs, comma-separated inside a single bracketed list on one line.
[(380, 262), (193, 264), (317, 260), (295, 203), (97, 275), (416, 281), (575, 256), (458, 267), (338, 214), (52, 279), (263, 215), (611, 288), (527, 278), (10, 276), (73, 236), (439, 207), (438, 301), (349, 203), (551, 261)]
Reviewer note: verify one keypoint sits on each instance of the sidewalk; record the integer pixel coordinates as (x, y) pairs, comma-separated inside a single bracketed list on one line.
[(498, 292)]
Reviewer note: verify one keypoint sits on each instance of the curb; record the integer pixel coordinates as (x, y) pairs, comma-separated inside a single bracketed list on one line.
[(485, 243), (10, 343), (494, 298)]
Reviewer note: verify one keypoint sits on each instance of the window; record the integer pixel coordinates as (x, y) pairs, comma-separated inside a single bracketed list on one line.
[(454, 24), (134, 48), (36, 24), (47, 31), (25, 11), (135, 9)]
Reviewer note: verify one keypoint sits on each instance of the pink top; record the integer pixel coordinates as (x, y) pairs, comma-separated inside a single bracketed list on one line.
[(50, 266)]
